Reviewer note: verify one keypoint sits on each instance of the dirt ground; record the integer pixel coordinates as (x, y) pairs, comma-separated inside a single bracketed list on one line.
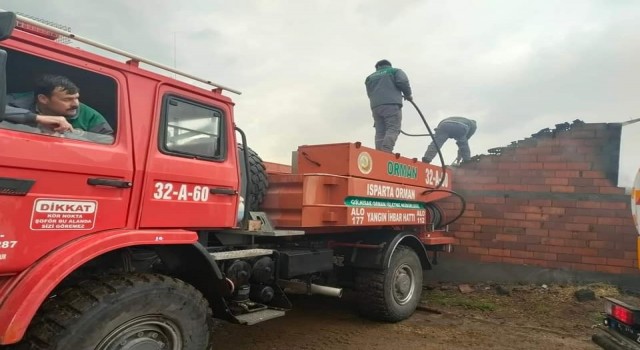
[(529, 317)]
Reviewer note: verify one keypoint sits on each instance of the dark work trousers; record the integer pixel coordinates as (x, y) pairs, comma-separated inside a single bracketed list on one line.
[(387, 121)]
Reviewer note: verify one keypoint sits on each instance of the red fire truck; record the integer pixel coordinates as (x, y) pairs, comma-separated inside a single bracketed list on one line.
[(137, 240)]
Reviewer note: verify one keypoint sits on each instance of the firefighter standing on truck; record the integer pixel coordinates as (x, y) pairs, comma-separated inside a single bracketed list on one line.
[(385, 89)]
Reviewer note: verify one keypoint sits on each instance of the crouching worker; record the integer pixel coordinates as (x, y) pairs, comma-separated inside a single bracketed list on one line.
[(458, 128)]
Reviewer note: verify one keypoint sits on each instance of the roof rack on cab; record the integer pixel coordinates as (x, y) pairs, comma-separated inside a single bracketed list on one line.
[(68, 34)]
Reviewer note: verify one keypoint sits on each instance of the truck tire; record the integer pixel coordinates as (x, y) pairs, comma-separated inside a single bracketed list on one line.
[(259, 181), (391, 295), (133, 311)]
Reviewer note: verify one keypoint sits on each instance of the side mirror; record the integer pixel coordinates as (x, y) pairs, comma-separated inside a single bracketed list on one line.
[(7, 23)]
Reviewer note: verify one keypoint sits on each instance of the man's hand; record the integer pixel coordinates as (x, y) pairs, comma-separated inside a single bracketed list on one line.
[(408, 98), (58, 124)]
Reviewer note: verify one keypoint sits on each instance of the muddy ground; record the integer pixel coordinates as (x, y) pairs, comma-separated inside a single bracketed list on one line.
[(529, 317)]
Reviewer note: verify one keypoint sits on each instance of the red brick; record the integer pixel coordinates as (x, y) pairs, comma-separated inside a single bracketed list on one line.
[(585, 251), (493, 200), (564, 204), (585, 189), (579, 166), (554, 241), (540, 232), (516, 201), (576, 227), (561, 250), (531, 165), (538, 188), (529, 239), (506, 237), (611, 221), (493, 187), (470, 228), (490, 258), (537, 248), (630, 255), (484, 235), (537, 217), (553, 210), (464, 220), (530, 224), (620, 262), (554, 165), (515, 187), (566, 189), (585, 236), (585, 219), (586, 150), (560, 234), (602, 182), (540, 202), (514, 245), (578, 243), (479, 251), (469, 242), (472, 213), (508, 166), (609, 269), (509, 180), (485, 221), (521, 254), (569, 258), (582, 134), (611, 190), (567, 174), (626, 229), (515, 216), (545, 256), (515, 230), (590, 174), (551, 158), (556, 181), (588, 204), (499, 252), (530, 209), (611, 253), (582, 182), (594, 260)]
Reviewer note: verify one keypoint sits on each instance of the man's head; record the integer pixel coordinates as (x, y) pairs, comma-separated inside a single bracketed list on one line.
[(382, 63), (57, 95)]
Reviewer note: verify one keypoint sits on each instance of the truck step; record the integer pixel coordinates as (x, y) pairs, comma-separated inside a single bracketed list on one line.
[(238, 254), (259, 316)]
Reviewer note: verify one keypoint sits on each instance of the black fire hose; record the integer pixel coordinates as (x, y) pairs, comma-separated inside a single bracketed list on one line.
[(424, 120)]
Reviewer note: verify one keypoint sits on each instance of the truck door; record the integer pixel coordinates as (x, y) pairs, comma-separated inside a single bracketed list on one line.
[(57, 187), (191, 176)]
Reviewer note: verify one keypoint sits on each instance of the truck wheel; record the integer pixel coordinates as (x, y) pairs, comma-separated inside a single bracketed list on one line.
[(393, 294), (132, 312), (259, 181)]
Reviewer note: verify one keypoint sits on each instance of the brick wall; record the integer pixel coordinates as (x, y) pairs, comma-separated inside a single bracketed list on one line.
[(550, 201)]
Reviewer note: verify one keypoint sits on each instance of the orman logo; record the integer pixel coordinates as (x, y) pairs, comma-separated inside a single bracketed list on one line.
[(365, 163), (402, 170)]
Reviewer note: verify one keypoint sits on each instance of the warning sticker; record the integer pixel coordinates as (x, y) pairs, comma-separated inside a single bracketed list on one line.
[(56, 214)]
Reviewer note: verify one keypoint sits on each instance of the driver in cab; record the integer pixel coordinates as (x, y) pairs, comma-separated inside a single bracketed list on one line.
[(55, 104)]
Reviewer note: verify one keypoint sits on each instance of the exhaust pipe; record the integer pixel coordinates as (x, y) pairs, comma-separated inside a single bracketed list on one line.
[(309, 289)]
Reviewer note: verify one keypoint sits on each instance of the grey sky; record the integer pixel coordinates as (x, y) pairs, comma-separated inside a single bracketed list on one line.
[(515, 66)]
